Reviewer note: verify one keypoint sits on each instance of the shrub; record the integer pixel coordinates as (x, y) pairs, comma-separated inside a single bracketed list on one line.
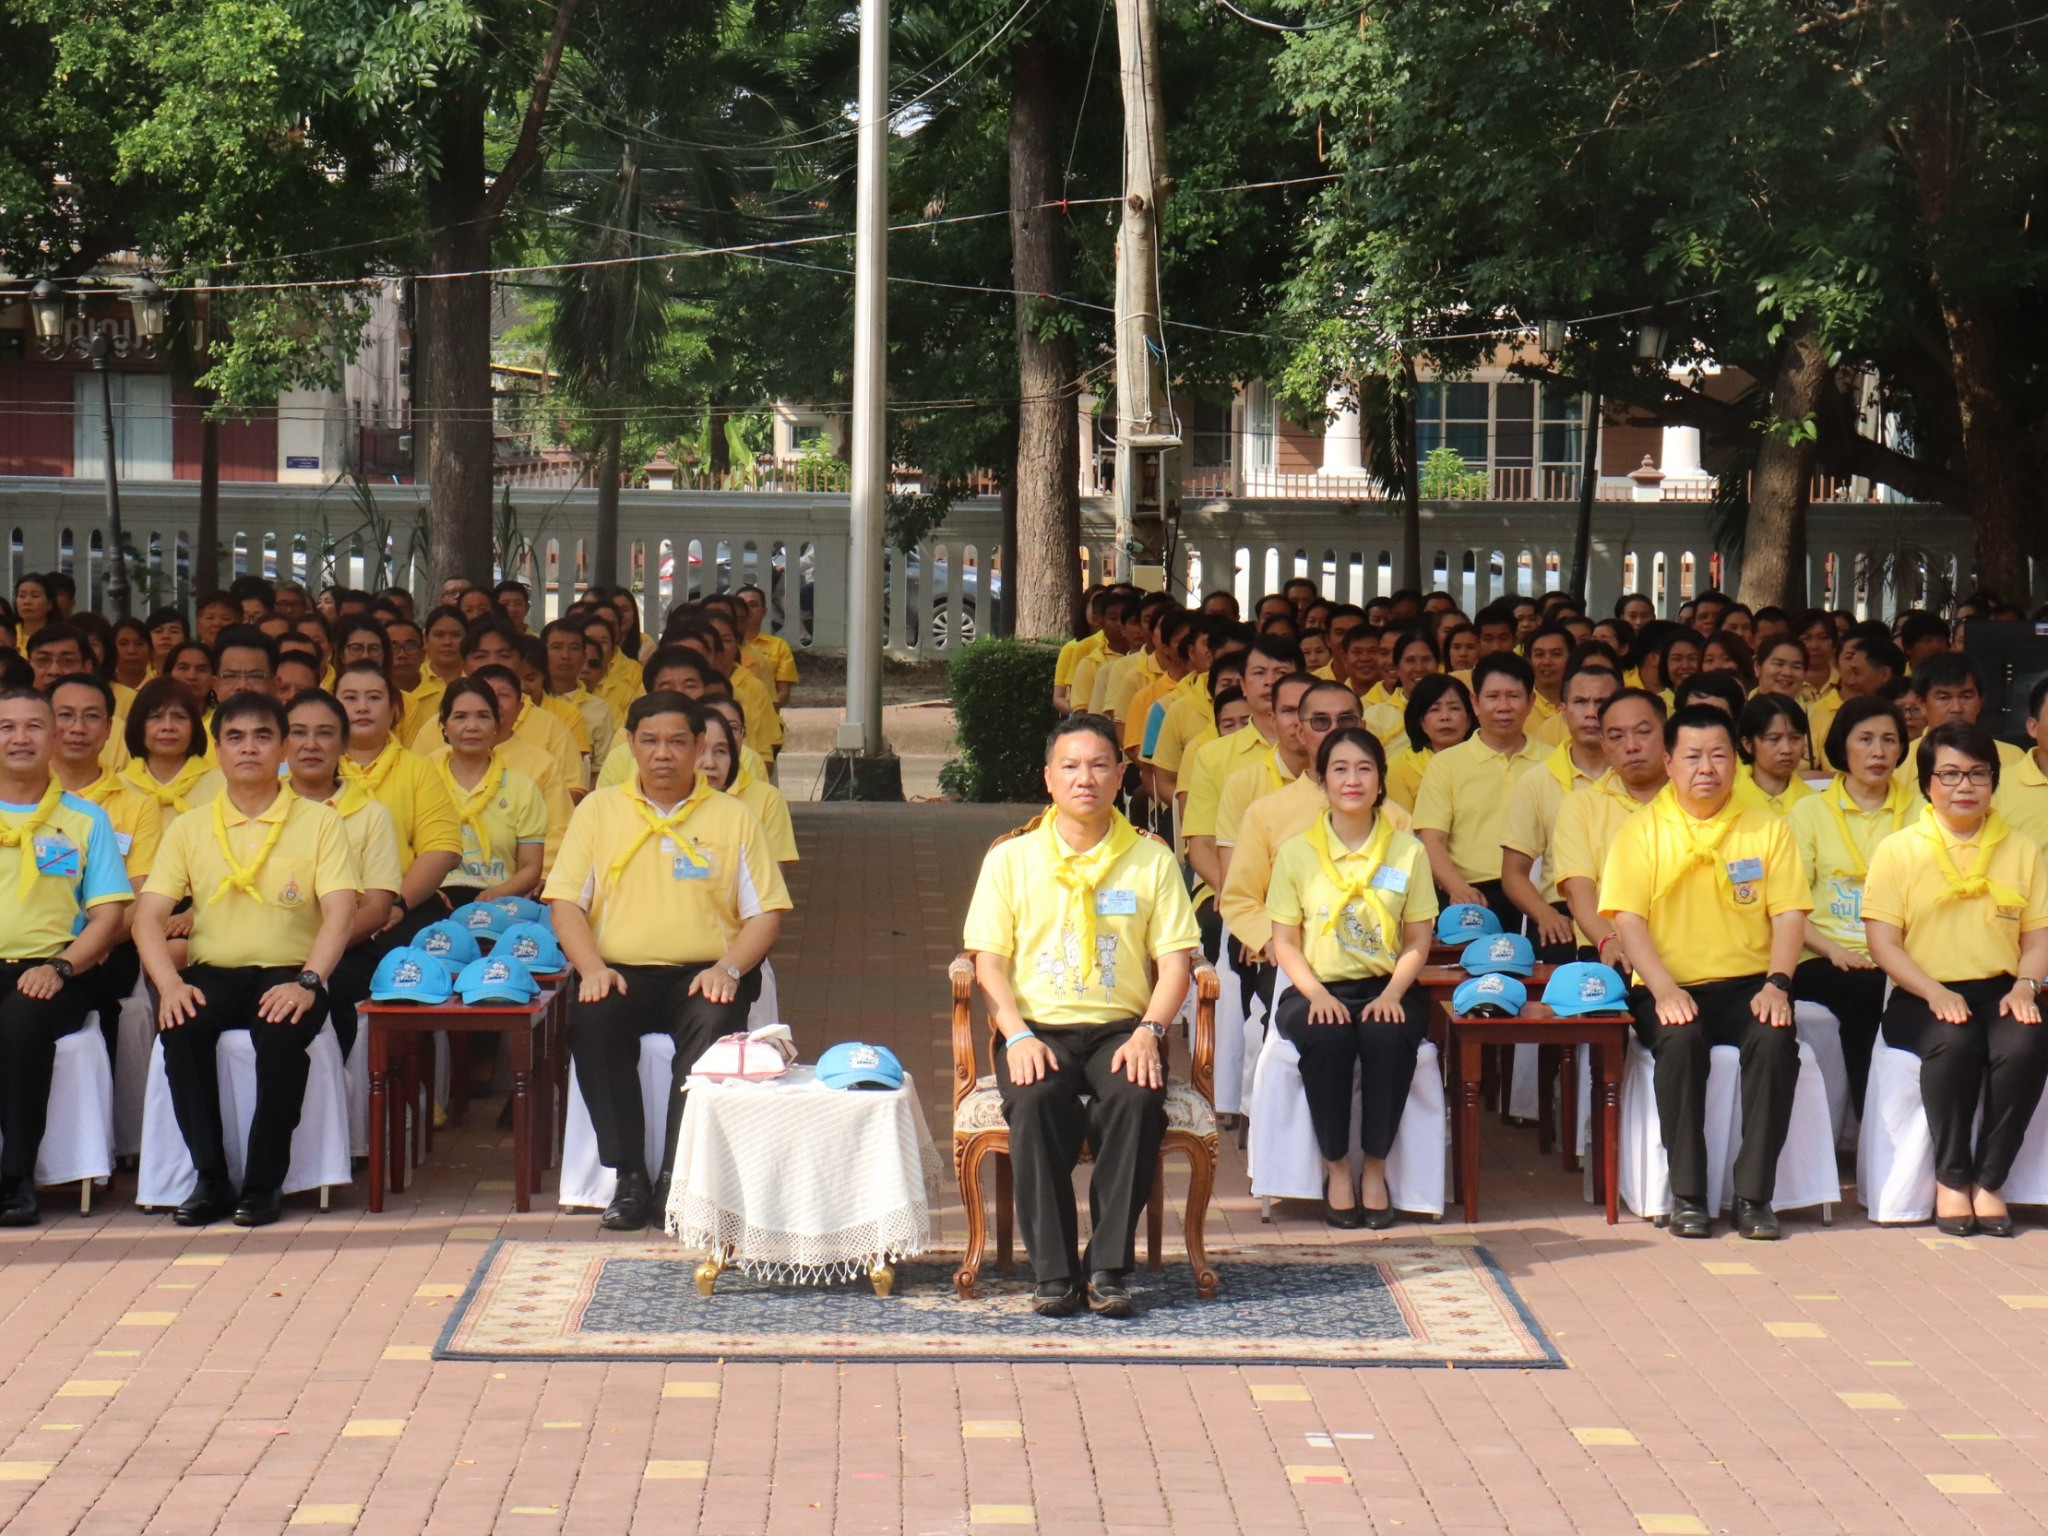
[(1445, 478), (1001, 692)]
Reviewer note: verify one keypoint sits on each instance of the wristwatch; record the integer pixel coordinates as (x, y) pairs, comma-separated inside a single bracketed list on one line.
[(1158, 1030), (735, 975), (312, 981), (62, 967), (1779, 980)]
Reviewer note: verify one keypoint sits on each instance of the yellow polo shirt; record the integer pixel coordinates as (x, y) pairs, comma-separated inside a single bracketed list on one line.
[(768, 804), (1107, 678), (1140, 675), (776, 653), (623, 681), (1350, 947), (1139, 711), (2022, 798), (1070, 656), (600, 721), (410, 788), (1263, 775), (1464, 794), (1585, 828), (1190, 721), (311, 860), (1213, 765), (1836, 866), (678, 900), (77, 867), (1267, 826), (1750, 793), (757, 708), (1404, 774), (194, 787), (1710, 921), (1021, 910), (138, 828), (1958, 938), (1388, 720), (571, 718), (420, 706), (1532, 812), (372, 840), (515, 814), (523, 757)]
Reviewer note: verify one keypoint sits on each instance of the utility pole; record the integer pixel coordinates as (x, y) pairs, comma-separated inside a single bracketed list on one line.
[(1146, 432), (862, 767)]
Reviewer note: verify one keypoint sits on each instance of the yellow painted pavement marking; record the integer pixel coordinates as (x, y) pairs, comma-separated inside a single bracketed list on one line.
[(326, 1514), (1278, 1392), (25, 1471), (2025, 1303), (1672, 1525), (1455, 1239), (675, 1470), (1962, 1482), (1878, 1401), (1815, 1296), (177, 1285), (1604, 1437), (89, 1389), (437, 1292), (992, 1429), (1889, 1364), (1731, 1269), (536, 1509), (1313, 1474), (147, 1319), (689, 1389), (1795, 1330), (1001, 1514), (561, 1423), (1939, 1243), (1974, 1435), (118, 1354), (472, 1234), (55, 1427), (199, 1261), (372, 1429), (408, 1352)]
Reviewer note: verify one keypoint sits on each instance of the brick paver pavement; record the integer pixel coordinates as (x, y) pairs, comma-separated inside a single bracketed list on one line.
[(160, 1380)]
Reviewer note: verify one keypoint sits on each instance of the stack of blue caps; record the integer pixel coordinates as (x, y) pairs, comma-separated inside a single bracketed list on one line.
[(449, 942), (533, 946), (411, 976), (1464, 921), (1508, 952), (520, 910), (496, 979), (484, 921)]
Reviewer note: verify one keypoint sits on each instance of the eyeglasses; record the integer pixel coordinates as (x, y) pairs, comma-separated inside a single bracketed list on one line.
[(1952, 778), (1331, 722)]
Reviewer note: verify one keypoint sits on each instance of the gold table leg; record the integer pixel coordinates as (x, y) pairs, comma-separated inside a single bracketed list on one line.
[(709, 1270), (882, 1277)]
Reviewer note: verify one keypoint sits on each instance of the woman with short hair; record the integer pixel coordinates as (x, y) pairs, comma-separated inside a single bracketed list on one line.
[(1439, 716)]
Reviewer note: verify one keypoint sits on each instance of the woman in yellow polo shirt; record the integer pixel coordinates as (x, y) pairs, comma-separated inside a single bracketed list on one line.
[(1837, 830), (504, 819), (131, 654), (1439, 715), (1352, 905), (167, 756), (1957, 912), (1781, 666), (1770, 733), (720, 761)]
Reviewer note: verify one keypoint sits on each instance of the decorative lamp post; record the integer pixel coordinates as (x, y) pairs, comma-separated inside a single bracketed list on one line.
[(1550, 334), (146, 298), (117, 578), (1650, 342), (46, 304)]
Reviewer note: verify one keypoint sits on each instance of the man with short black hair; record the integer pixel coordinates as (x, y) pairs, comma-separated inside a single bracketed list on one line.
[(213, 613), (1922, 635), (56, 650), (1463, 798), (514, 599), (244, 661)]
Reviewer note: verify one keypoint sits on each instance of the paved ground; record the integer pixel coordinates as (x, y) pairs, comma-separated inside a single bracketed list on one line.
[(1849, 1380)]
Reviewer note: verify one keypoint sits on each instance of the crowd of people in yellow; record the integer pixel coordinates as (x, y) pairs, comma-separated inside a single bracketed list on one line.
[(1736, 811), (248, 812)]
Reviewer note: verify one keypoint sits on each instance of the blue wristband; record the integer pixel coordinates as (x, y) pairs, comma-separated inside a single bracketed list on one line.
[(1022, 1034)]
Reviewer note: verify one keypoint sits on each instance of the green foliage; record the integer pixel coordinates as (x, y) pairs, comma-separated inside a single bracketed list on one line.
[(911, 517), (1445, 477), (1001, 692)]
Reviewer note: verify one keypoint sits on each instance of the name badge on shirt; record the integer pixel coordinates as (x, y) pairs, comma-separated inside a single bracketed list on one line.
[(1116, 903), (124, 841), (57, 856), (1745, 871), (684, 867), (1388, 878)]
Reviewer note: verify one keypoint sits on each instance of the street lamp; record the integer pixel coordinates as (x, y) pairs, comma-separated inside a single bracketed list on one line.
[(117, 579), (1650, 341), (1550, 335), (146, 298), (46, 303)]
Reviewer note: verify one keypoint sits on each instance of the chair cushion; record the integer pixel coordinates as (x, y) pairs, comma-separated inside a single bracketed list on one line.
[(982, 1110)]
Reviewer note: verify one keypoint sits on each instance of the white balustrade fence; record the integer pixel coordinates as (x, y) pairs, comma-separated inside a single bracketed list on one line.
[(678, 545)]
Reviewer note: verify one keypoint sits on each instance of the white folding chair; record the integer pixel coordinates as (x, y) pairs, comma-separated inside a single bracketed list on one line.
[(1820, 1029), (78, 1134), (1808, 1173), (1233, 1027), (586, 1183), (134, 1036), (1895, 1151), (320, 1145)]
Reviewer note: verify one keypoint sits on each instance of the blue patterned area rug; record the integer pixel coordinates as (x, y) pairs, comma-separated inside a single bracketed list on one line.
[(1368, 1303)]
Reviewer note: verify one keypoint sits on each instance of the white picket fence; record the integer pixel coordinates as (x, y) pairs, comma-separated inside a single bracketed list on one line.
[(1873, 557)]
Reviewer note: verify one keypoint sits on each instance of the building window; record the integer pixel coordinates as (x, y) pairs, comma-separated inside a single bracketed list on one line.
[(1512, 424)]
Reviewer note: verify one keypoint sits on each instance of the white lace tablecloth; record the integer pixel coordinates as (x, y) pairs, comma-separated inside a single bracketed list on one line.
[(800, 1182)]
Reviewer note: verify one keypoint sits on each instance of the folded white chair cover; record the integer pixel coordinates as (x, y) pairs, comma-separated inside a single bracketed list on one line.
[(1895, 1151), (78, 1139), (586, 1182), (1807, 1171), (1231, 1024), (1820, 1029), (133, 1038), (319, 1146)]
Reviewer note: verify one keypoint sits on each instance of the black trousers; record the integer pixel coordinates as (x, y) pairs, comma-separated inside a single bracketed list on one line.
[(1209, 923), (1856, 999), (29, 1031), (1770, 1073), (1124, 1124), (604, 1040), (1497, 899), (1384, 1054), (232, 994), (348, 988), (106, 986), (1553, 954), (2000, 1059)]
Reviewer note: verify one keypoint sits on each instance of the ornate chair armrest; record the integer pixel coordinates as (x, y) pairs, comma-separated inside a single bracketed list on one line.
[(1202, 1069), (961, 974)]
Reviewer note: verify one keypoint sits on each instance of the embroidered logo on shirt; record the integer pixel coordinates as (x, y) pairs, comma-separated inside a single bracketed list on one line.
[(290, 896)]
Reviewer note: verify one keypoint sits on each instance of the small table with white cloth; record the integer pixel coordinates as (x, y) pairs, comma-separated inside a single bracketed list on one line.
[(789, 1180)]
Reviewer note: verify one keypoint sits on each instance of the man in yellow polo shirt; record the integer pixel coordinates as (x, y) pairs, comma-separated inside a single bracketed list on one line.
[(666, 898), (1083, 939), (1951, 689), (769, 655), (1190, 718), (67, 905), (1588, 819), (273, 892), (618, 675), (1120, 636), (568, 653), (1072, 652), (2022, 797), (1463, 799), (1270, 658), (1532, 810), (423, 817), (1710, 901)]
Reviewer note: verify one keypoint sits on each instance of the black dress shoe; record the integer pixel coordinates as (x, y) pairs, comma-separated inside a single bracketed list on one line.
[(259, 1207), (630, 1202), (657, 1200), (1379, 1220), (1057, 1298), (1990, 1226), (18, 1204), (1346, 1220), (212, 1200), (1690, 1217), (1962, 1226), (1755, 1220), (1107, 1296)]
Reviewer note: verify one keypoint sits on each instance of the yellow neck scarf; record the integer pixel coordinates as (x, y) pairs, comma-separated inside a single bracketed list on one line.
[(1976, 883), (379, 770), (1703, 838), (171, 796), (101, 789), (351, 797), (1081, 873), (22, 834), (242, 877), (470, 803), (1356, 889), (654, 824), (1898, 805), (742, 776), (1561, 767)]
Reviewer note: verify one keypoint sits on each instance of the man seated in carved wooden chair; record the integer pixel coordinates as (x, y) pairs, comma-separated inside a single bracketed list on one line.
[(1083, 940)]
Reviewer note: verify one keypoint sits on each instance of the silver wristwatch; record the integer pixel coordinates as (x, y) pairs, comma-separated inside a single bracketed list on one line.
[(1158, 1030), (735, 975)]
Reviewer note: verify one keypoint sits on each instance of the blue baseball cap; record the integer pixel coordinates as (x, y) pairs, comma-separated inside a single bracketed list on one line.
[(1493, 995), (483, 920), (520, 910), (1509, 952), (497, 979), (1584, 987), (1464, 921), (411, 976), (855, 1064), (449, 942), (533, 946)]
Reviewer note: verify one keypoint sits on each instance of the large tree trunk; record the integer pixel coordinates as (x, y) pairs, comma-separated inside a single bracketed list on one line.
[(1774, 550), (1046, 560), (455, 343), (605, 558)]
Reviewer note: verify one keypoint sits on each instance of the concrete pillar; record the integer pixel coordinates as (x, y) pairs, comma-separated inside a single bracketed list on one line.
[(1344, 442), (1679, 456)]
